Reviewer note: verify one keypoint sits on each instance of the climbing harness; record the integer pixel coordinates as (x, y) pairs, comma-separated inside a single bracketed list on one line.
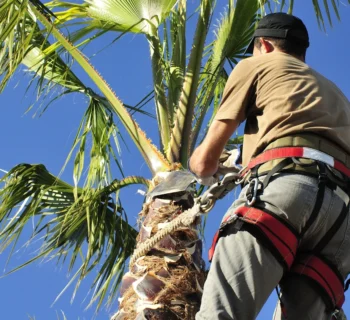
[(278, 235)]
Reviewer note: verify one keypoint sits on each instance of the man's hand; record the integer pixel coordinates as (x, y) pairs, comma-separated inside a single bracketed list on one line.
[(229, 161), (204, 161), (205, 181), (208, 181)]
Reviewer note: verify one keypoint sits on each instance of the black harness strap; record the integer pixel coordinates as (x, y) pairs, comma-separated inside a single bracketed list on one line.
[(332, 230), (322, 178), (330, 281), (277, 168)]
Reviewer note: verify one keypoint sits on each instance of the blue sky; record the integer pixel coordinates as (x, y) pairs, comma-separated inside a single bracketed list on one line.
[(47, 140)]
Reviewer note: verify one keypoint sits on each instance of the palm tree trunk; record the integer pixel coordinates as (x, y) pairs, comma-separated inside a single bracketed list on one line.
[(167, 282)]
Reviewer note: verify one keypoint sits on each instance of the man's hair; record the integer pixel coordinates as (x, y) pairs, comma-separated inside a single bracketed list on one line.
[(284, 45)]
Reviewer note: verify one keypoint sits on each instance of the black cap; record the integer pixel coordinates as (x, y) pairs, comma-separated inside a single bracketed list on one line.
[(283, 26)]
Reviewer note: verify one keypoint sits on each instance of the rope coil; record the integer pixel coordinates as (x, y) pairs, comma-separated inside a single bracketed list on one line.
[(185, 219)]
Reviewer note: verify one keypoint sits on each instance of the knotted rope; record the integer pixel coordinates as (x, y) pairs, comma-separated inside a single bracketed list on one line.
[(185, 219)]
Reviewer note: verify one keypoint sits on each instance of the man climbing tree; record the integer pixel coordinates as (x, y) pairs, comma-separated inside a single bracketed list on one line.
[(289, 227)]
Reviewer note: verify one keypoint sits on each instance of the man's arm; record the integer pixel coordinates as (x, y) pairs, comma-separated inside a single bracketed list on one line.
[(205, 158)]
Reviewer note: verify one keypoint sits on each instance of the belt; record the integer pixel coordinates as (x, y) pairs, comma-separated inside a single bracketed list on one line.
[(297, 152)]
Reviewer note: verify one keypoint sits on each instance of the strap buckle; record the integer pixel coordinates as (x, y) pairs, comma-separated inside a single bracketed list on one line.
[(322, 177), (335, 314)]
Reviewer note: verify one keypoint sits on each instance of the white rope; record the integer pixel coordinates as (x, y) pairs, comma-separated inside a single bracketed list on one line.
[(185, 219)]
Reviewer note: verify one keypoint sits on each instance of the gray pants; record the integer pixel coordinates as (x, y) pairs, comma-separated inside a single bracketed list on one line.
[(243, 272)]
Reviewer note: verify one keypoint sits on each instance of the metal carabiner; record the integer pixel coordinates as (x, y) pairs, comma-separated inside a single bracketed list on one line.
[(206, 206), (217, 191), (255, 184)]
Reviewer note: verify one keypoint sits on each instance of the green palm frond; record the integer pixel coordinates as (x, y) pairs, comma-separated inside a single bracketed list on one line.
[(153, 157), (43, 9), (24, 42), (76, 15), (118, 15), (96, 124), (47, 65), (234, 32), (179, 144), (71, 11), (98, 130), (66, 218), (203, 104), (131, 15), (319, 15), (17, 29), (326, 7), (175, 55)]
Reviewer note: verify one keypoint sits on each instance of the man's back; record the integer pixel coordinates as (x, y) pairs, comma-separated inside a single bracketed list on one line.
[(285, 96)]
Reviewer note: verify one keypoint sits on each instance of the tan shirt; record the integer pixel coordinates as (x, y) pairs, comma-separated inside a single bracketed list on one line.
[(279, 95)]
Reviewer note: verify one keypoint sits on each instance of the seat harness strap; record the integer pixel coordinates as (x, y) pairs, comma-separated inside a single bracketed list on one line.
[(279, 236), (281, 239), (321, 270), (322, 178), (324, 275)]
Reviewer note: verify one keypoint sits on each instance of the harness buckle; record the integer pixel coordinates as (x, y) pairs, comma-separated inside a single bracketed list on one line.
[(335, 314), (252, 191), (322, 177)]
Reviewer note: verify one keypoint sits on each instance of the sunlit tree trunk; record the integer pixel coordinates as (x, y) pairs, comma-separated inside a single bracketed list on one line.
[(167, 282)]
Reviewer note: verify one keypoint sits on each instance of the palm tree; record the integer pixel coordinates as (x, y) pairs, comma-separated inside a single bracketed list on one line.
[(165, 281)]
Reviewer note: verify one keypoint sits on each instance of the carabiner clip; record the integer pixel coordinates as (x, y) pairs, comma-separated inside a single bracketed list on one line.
[(253, 184)]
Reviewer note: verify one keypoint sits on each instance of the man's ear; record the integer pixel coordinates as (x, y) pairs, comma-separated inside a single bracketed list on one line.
[(266, 46)]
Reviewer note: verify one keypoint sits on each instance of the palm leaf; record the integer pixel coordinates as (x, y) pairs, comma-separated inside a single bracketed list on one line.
[(134, 14), (330, 7), (66, 218), (175, 55), (97, 122), (204, 103), (179, 145), (17, 28), (98, 128), (153, 157), (319, 14), (118, 15), (52, 68), (159, 88)]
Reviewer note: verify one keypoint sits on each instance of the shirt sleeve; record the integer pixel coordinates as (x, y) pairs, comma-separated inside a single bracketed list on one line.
[(238, 92)]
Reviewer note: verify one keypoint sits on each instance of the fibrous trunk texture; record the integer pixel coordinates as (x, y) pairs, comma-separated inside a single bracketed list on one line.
[(167, 282)]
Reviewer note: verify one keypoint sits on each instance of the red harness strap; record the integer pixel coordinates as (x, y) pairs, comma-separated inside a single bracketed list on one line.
[(324, 275), (275, 231), (298, 152)]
